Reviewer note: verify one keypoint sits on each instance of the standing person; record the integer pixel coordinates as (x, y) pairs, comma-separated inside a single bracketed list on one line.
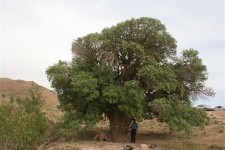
[(134, 128)]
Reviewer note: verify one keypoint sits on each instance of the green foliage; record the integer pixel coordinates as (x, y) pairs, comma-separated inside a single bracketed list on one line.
[(179, 115), (84, 85), (74, 125), (132, 99), (121, 70), (23, 124), (157, 77), (191, 74)]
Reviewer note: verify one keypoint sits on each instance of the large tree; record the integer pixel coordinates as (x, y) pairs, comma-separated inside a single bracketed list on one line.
[(125, 68)]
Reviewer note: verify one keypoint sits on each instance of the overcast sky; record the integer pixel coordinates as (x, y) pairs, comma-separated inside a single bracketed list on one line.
[(35, 34)]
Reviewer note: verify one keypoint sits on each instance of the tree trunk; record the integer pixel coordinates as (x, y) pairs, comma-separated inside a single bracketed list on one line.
[(119, 125)]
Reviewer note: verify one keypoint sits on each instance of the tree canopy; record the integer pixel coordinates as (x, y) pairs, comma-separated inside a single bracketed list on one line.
[(124, 69)]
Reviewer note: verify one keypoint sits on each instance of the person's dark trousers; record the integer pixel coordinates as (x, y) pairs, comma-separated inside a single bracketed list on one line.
[(133, 135)]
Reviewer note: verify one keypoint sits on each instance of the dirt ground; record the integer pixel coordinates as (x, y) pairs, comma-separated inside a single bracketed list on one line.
[(152, 132)]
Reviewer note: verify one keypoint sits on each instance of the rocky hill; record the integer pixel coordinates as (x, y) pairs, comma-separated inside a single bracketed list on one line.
[(20, 88)]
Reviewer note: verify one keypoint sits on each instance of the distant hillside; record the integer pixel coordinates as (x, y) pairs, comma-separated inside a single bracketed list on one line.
[(20, 88)]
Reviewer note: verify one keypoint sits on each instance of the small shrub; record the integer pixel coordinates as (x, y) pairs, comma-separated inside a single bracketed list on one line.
[(23, 124), (74, 125)]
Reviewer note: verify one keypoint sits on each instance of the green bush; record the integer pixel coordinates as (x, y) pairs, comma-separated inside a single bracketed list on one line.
[(23, 124), (180, 115), (74, 125)]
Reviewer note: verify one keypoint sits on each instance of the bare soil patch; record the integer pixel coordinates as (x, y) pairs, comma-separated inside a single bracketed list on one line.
[(212, 136)]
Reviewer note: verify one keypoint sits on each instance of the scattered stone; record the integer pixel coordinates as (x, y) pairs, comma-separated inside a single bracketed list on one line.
[(144, 147), (101, 137), (128, 147), (152, 145)]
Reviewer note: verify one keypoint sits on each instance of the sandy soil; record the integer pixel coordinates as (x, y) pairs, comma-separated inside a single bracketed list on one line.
[(152, 132)]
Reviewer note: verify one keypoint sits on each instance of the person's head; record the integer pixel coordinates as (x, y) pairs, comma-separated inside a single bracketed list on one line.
[(134, 119)]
